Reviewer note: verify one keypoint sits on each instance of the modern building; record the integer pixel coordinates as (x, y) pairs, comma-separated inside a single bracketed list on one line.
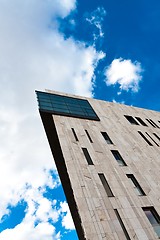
[(108, 158)]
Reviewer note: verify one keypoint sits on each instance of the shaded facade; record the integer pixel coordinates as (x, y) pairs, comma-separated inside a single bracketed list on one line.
[(107, 156)]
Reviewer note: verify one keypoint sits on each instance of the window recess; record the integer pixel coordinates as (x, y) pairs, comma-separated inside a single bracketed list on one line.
[(122, 224), (131, 120), (152, 124), (153, 218), (88, 136), (141, 121), (118, 158), (139, 191), (87, 156), (105, 185), (156, 136), (152, 139), (142, 135), (74, 134), (107, 138)]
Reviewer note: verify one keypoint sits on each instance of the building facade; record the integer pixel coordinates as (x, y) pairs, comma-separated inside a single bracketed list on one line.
[(108, 159)]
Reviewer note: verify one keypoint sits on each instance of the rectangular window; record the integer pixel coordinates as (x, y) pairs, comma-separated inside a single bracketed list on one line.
[(156, 136), (88, 136), (87, 156), (145, 138), (139, 191), (131, 119), (154, 123), (151, 123), (105, 185), (107, 138), (118, 158), (152, 139), (153, 218), (141, 121), (66, 106), (74, 133), (122, 224)]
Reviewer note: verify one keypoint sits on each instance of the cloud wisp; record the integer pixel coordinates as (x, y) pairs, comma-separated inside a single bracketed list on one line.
[(124, 72), (95, 19)]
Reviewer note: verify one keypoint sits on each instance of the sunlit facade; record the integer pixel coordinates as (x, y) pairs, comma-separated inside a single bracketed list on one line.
[(107, 156)]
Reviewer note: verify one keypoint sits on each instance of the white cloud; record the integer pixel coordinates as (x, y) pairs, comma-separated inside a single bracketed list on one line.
[(96, 18), (67, 221), (126, 73), (34, 55)]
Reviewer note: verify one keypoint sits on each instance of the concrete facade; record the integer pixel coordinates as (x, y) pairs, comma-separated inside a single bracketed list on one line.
[(95, 210)]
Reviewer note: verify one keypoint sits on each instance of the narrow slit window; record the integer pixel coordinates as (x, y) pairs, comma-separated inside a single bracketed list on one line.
[(156, 136), (152, 139), (139, 191), (107, 138), (122, 224), (105, 185), (141, 121), (74, 133), (148, 120), (131, 120), (90, 139), (118, 158), (142, 135), (87, 156), (153, 218), (154, 123)]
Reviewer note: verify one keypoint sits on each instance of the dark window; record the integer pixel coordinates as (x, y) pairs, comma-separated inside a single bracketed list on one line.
[(154, 123), (106, 137), (145, 138), (139, 191), (105, 185), (74, 133), (66, 106), (87, 156), (151, 123), (131, 119), (118, 158), (141, 121), (88, 136), (153, 218), (156, 136), (122, 224), (152, 139)]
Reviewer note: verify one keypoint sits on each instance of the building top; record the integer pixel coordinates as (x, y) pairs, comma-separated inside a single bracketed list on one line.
[(66, 106)]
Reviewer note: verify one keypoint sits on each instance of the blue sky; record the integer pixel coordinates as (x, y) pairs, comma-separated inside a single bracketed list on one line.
[(103, 49)]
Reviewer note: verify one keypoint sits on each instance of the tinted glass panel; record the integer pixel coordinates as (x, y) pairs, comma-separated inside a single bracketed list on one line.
[(154, 123), (131, 119), (105, 185), (156, 136), (142, 135), (88, 136), (122, 224), (67, 106), (150, 123), (106, 137), (136, 185), (118, 158), (152, 139), (74, 133), (87, 156), (153, 218), (141, 121)]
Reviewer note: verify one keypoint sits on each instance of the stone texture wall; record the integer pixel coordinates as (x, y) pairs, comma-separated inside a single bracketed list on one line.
[(96, 209)]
